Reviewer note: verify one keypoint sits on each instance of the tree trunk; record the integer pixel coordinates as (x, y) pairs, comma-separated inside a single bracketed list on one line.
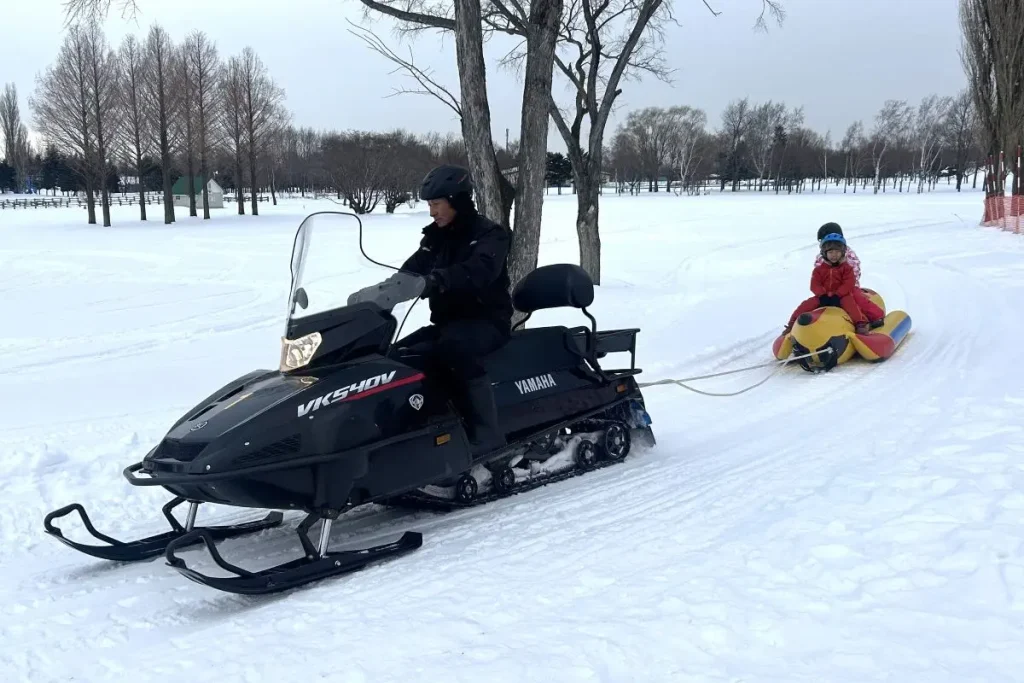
[(101, 143), (252, 181), (542, 32), (165, 160), (587, 201), (105, 200), (239, 189), (165, 145), (476, 113), (138, 171), (90, 201), (191, 186), (204, 164)]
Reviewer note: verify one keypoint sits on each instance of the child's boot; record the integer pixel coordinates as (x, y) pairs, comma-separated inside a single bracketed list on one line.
[(862, 328)]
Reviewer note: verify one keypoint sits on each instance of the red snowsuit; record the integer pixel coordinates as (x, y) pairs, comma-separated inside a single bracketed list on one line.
[(872, 311), (838, 281), (852, 259)]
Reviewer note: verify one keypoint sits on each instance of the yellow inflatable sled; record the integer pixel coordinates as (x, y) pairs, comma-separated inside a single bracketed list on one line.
[(828, 333)]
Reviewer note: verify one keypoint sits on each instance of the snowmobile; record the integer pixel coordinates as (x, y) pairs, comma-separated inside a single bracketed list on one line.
[(351, 418)]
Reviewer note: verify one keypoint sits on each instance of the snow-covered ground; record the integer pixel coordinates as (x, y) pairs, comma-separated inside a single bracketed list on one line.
[(862, 525)]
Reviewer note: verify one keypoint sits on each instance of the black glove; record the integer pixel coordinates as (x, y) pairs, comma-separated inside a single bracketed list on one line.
[(828, 301), (431, 285)]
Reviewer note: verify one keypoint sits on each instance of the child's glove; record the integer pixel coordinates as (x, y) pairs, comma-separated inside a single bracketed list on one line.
[(828, 301)]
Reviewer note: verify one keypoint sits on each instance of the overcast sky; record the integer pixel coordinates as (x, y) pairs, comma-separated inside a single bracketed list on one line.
[(840, 59)]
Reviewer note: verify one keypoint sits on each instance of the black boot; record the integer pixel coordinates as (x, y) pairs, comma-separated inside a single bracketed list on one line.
[(481, 413)]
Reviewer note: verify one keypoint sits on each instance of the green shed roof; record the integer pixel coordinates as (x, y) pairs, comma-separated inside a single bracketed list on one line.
[(181, 185)]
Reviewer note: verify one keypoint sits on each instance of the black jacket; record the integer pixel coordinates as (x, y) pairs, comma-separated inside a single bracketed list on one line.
[(470, 260)]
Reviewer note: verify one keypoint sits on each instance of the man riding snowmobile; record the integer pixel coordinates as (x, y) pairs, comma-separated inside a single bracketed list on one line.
[(464, 258)]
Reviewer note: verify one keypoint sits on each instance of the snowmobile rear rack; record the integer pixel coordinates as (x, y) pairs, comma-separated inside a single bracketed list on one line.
[(151, 546)]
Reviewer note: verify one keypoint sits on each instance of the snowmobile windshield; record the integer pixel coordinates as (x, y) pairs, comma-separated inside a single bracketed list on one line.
[(338, 260)]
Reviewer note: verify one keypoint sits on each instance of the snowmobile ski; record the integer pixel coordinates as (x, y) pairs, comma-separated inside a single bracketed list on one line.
[(318, 563), (150, 546)]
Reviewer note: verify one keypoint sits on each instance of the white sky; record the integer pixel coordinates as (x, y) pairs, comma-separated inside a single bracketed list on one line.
[(840, 59)]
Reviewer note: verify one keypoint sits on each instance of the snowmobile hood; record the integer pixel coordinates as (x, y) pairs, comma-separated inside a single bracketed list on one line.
[(237, 404)]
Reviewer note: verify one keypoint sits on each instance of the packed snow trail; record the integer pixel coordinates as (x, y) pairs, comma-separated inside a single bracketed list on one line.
[(862, 525)]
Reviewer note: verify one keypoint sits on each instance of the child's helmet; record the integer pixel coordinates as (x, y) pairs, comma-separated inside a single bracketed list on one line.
[(833, 240), (829, 229)]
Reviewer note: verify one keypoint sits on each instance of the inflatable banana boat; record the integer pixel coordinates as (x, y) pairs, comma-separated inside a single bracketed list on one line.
[(828, 333)]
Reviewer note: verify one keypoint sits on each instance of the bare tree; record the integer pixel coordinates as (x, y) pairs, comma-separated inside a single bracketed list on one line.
[(928, 126), (993, 59), (652, 132), (184, 124), (539, 27), (14, 133), (136, 140), (90, 10), (357, 165), (791, 126), (261, 112), (232, 117), (852, 146), (202, 64), (825, 144), (609, 40), (406, 161), (762, 124), (308, 151), (102, 82), (464, 19), (61, 105), (892, 124), (163, 105), (735, 126), (684, 145), (624, 161), (959, 132)]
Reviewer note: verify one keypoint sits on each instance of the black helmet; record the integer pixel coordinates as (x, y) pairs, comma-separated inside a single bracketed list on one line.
[(445, 182), (829, 229)]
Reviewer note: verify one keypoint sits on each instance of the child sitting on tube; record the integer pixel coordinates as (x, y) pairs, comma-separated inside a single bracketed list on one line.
[(833, 283)]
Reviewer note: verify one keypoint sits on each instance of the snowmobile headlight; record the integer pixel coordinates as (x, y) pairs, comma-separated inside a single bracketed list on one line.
[(295, 353)]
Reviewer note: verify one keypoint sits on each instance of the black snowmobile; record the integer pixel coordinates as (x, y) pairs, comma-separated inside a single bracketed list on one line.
[(349, 418)]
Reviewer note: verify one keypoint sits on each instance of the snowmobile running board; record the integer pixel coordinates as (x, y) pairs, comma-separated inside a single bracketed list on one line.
[(151, 546)]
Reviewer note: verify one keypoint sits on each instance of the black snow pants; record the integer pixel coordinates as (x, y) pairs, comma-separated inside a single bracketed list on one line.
[(456, 347)]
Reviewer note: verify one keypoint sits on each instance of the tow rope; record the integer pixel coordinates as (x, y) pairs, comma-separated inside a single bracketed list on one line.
[(778, 363)]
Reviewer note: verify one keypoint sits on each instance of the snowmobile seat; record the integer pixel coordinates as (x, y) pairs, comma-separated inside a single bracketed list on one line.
[(556, 286), (533, 352)]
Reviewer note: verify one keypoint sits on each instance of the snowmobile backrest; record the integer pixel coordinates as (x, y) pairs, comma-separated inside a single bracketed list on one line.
[(554, 286)]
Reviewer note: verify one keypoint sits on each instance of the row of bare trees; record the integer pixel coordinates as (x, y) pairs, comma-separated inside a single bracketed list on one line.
[(589, 45), (992, 54), (14, 145), (767, 145), (178, 103)]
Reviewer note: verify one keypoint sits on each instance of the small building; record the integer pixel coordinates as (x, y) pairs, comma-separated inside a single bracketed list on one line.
[(180, 192)]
